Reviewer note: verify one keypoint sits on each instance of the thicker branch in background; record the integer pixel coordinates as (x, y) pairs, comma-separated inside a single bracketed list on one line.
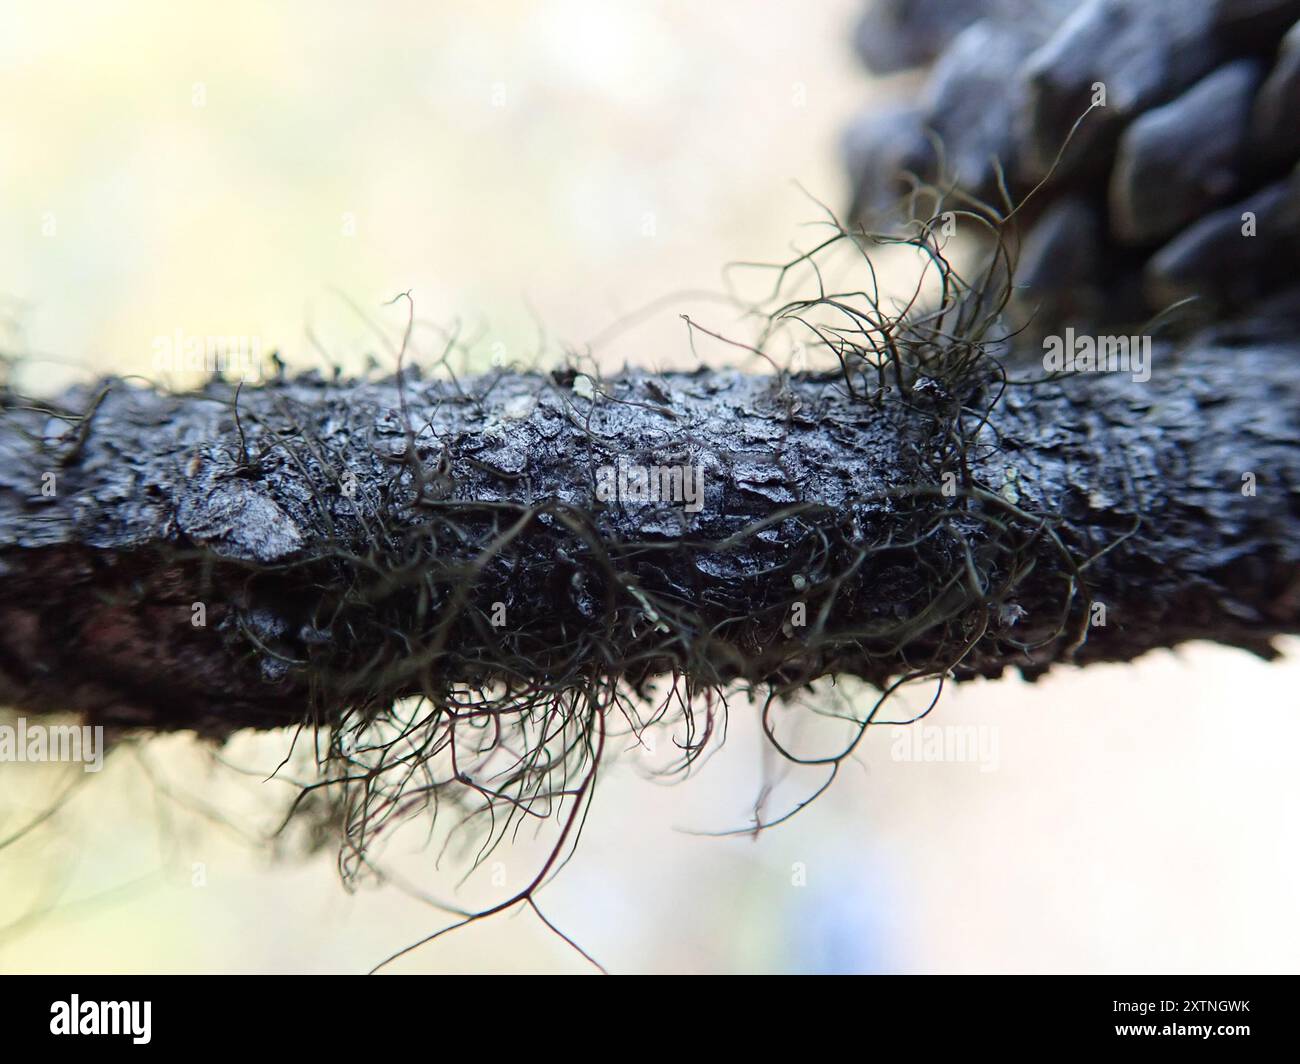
[(1180, 182)]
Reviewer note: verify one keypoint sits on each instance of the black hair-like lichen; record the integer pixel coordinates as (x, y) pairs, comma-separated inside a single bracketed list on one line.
[(430, 700)]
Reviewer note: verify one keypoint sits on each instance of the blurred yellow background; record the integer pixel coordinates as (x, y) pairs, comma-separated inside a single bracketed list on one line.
[(255, 170)]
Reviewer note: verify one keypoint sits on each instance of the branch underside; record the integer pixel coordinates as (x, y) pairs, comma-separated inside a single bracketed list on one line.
[(307, 548)]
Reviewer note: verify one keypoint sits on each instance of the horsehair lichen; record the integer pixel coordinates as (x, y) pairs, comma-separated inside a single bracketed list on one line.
[(510, 725), (418, 688)]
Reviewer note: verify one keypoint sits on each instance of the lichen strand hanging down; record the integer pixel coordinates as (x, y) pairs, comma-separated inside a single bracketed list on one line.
[(314, 550)]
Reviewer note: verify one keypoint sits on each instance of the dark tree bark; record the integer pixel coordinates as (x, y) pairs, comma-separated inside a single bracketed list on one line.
[(343, 552)]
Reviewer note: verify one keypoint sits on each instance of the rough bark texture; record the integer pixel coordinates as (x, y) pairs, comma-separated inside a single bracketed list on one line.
[(335, 565)]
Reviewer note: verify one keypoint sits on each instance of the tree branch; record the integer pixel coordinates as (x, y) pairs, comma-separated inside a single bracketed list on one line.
[(309, 548)]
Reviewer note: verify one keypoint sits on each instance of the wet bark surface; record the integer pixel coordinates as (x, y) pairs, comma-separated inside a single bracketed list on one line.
[(218, 560)]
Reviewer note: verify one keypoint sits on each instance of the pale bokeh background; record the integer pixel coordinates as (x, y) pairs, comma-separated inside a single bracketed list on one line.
[(231, 169)]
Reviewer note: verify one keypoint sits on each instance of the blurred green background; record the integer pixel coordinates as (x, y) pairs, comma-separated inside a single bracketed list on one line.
[(276, 171)]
